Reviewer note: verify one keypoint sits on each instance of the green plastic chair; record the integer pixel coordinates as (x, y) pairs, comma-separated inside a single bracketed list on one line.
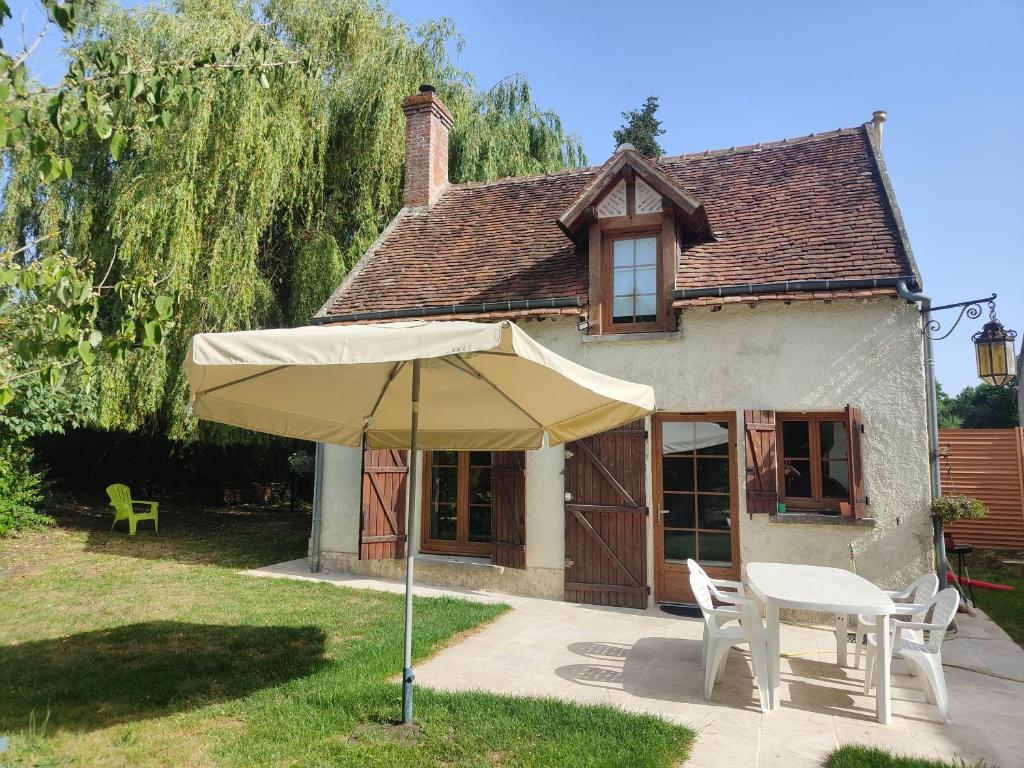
[(124, 508)]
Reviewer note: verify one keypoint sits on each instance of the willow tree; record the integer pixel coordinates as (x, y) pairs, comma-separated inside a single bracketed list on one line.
[(251, 207)]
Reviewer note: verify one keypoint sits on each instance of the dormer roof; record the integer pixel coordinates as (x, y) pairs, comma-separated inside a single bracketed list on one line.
[(608, 183)]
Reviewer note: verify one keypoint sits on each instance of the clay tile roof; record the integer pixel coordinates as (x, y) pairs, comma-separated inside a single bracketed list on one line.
[(818, 207)]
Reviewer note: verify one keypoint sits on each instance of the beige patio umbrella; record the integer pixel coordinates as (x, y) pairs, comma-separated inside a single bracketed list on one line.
[(415, 385)]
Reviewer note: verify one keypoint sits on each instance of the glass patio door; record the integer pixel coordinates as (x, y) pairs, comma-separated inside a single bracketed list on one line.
[(696, 488)]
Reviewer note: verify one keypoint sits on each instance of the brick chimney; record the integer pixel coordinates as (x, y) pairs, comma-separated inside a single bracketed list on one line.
[(427, 122)]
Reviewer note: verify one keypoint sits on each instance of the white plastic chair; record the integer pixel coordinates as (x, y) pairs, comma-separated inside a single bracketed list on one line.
[(909, 604), (923, 654), (721, 590), (719, 639)]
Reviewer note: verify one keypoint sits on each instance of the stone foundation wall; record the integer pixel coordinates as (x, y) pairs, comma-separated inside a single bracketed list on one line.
[(442, 572)]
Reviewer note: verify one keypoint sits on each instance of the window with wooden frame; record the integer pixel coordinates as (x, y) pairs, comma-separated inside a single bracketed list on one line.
[(457, 502), (632, 269), (814, 460)]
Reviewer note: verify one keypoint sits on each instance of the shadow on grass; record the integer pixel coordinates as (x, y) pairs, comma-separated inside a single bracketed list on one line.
[(237, 537), (96, 679)]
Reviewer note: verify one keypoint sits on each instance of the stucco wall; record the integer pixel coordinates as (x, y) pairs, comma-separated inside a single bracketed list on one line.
[(805, 356)]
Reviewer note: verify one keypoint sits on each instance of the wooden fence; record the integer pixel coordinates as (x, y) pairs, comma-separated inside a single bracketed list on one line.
[(987, 464)]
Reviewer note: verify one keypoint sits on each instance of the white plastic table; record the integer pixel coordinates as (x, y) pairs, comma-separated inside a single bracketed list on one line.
[(824, 590)]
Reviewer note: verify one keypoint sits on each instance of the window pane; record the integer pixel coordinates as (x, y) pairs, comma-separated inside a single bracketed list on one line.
[(480, 486), (646, 280), (680, 511), (622, 309), (714, 512), (624, 284), (646, 251), (713, 474), (680, 545), (796, 439), (833, 439), (715, 549), (677, 474), (443, 521), (444, 484), (479, 523), (712, 438), (480, 459), (798, 478), (445, 458), (835, 479), (622, 253), (677, 437), (646, 309)]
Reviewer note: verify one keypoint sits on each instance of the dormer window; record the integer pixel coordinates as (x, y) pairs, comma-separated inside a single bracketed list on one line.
[(634, 280), (632, 218)]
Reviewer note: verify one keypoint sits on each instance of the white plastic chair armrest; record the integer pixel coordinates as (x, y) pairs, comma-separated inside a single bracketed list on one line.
[(727, 584), (909, 609), (899, 626), (898, 594), (728, 612), (733, 599)]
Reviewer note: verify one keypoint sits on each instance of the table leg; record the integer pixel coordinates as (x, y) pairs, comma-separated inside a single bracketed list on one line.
[(772, 628), (883, 662), (841, 640)]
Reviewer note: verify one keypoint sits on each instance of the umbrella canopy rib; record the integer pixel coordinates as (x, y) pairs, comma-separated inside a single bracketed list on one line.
[(242, 380), (500, 391), (384, 390)]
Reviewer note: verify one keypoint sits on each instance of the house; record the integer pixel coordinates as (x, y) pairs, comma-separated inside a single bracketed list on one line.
[(755, 288)]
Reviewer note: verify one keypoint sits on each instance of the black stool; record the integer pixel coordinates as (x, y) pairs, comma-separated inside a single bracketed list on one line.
[(961, 551)]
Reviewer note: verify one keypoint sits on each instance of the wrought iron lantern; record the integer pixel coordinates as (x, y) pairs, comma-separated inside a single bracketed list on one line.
[(993, 346)]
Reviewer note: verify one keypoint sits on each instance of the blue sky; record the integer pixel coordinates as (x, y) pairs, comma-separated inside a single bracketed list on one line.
[(734, 73)]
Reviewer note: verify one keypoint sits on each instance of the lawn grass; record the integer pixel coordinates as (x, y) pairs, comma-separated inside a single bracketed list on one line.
[(154, 651), (1005, 608), (855, 756)]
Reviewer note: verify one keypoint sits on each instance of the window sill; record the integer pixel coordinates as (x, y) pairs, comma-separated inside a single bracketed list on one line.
[(640, 336), (468, 562), (814, 518)]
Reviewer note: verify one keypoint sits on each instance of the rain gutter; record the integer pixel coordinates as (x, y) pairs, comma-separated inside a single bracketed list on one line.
[(449, 309), (904, 292), (793, 286)]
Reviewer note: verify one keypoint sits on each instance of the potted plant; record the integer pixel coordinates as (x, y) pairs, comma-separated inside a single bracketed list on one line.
[(958, 507)]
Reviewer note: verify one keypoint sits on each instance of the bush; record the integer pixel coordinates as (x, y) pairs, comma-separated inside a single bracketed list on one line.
[(21, 490), (958, 507), (302, 465)]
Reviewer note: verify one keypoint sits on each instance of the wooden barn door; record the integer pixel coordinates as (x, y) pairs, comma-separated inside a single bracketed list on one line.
[(382, 518), (606, 518)]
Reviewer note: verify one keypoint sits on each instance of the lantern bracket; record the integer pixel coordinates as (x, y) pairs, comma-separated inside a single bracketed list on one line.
[(971, 309)]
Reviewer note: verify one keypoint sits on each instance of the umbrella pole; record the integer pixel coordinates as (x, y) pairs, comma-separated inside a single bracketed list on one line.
[(410, 537)]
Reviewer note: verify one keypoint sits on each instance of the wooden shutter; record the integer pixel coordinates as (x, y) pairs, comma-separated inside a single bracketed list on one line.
[(382, 517), (762, 467), (855, 430), (508, 508)]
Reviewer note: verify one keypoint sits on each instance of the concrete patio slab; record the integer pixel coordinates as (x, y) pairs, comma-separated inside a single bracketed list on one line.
[(649, 661)]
